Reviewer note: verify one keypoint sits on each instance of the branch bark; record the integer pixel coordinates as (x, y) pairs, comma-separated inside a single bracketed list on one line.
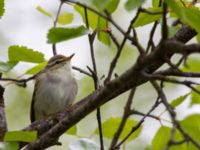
[(3, 124)]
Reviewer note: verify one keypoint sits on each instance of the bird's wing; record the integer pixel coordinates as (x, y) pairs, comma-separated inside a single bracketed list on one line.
[(32, 111)]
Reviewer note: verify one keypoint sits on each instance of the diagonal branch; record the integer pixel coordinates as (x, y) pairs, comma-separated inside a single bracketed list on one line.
[(126, 114), (119, 50)]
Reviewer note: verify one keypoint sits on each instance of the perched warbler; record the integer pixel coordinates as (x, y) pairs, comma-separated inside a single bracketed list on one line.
[(55, 88)]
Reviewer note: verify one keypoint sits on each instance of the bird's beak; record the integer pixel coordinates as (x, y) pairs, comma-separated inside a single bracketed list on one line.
[(72, 55), (68, 58)]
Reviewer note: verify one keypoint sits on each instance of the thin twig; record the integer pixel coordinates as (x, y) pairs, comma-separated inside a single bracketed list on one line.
[(164, 23), (81, 71), (150, 42), (20, 82), (91, 38), (138, 125), (54, 25), (125, 116), (101, 15), (172, 114), (115, 59)]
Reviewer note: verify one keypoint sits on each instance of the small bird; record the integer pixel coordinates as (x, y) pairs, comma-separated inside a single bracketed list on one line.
[(55, 88)]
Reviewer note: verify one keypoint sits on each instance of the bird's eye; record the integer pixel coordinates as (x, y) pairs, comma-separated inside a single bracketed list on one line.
[(57, 62)]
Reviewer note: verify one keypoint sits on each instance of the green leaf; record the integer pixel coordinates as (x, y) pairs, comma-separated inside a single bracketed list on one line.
[(192, 65), (195, 97), (72, 130), (187, 15), (176, 102), (112, 6), (9, 146), (56, 35), (111, 125), (102, 35), (84, 144), (65, 18), (92, 17), (37, 68), (162, 137), (44, 12), (2, 10), (144, 18), (22, 53), (22, 136), (100, 4), (191, 125), (132, 4), (155, 3), (7, 66)]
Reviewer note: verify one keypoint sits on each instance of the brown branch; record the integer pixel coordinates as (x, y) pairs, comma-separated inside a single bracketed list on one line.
[(115, 59), (81, 71), (172, 114), (138, 125), (125, 116), (99, 14), (150, 42), (164, 23), (20, 82), (54, 25), (91, 38), (3, 124), (178, 73)]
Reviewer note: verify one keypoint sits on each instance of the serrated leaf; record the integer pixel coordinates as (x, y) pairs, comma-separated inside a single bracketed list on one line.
[(144, 18), (110, 126), (20, 136), (112, 6), (84, 144), (187, 15), (7, 66), (1, 8), (65, 18), (191, 125), (72, 130), (92, 17), (162, 137), (22, 53), (100, 4), (155, 3), (132, 4), (176, 102), (103, 36), (56, 35), (9, 146), (44, 12), (36, 68), (195, 97)]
